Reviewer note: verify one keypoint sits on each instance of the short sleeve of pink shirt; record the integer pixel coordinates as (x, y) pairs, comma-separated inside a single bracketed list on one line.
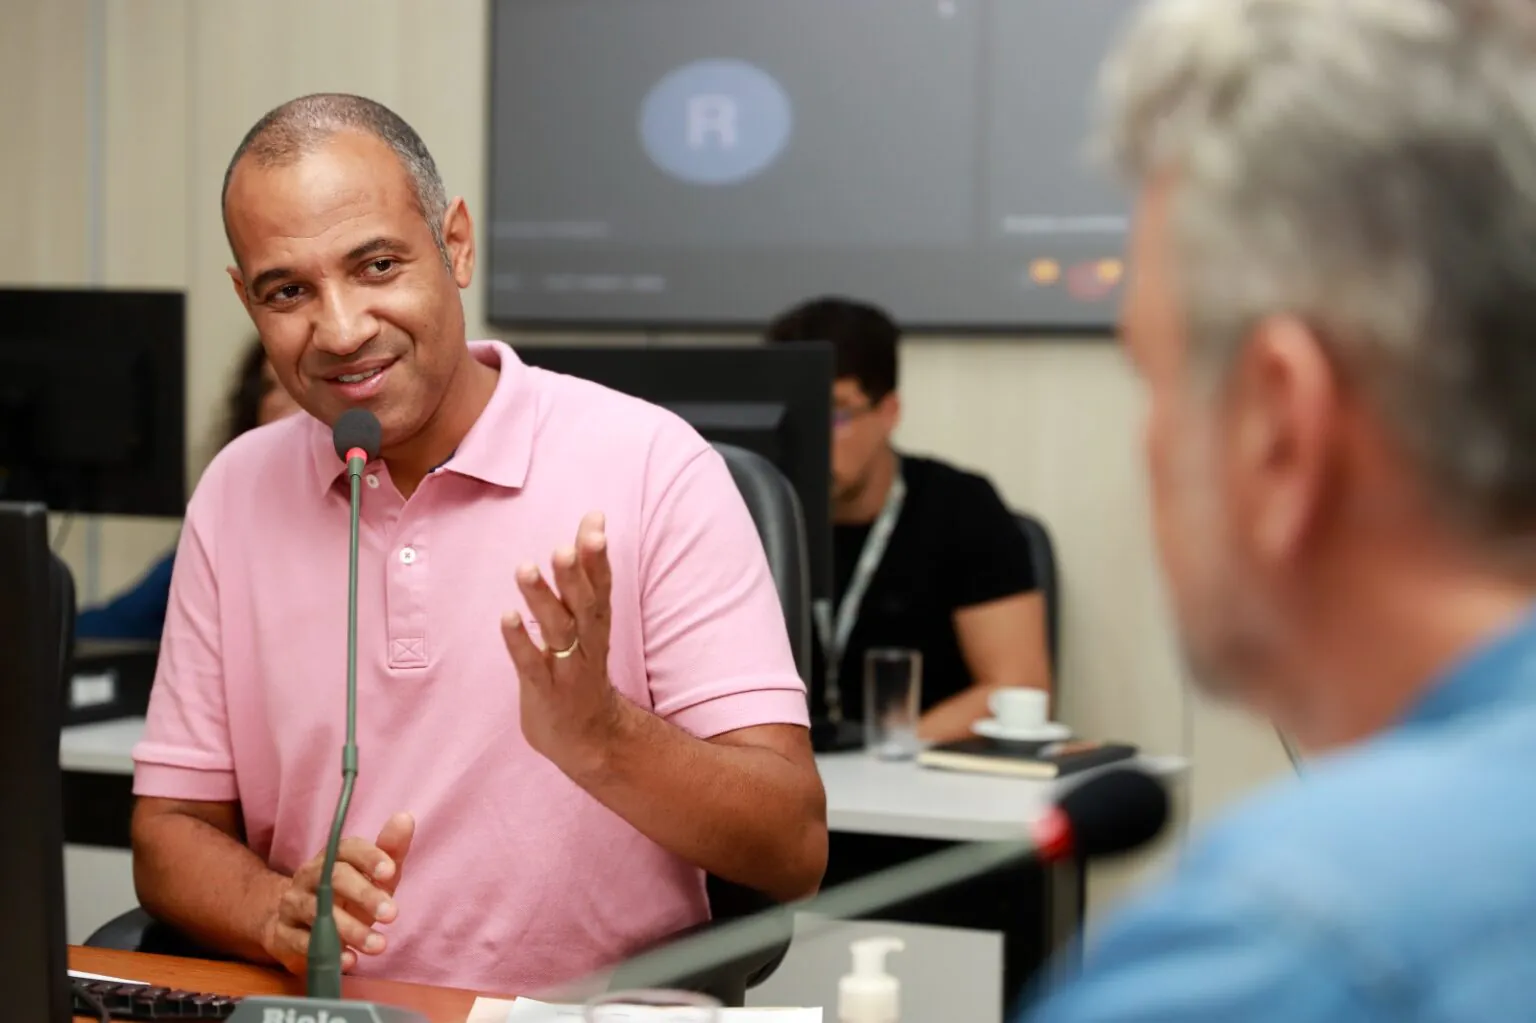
[(186, 752), (716, 650), (248, 702)]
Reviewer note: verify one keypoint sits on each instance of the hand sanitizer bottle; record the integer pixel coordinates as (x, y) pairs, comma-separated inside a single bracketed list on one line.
[(869, 994)]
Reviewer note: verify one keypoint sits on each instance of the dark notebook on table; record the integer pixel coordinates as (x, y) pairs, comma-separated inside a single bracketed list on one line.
[(1043, 760)]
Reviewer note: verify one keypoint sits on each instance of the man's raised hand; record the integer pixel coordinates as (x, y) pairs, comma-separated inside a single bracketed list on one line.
[(568, 706)]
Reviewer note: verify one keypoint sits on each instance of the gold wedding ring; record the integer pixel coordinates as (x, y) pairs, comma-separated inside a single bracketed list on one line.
[(568, 651)]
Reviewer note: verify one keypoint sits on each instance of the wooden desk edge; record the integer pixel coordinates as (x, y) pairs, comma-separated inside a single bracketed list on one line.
[(438, 1004)]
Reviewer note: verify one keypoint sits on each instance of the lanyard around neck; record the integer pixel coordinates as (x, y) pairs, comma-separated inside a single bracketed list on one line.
[(834, 633)]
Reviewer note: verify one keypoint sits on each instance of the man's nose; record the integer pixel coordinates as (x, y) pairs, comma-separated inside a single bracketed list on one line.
[(346, 322)]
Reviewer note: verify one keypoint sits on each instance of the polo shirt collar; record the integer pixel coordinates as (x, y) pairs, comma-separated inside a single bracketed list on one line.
[(1496, 675), (496, 450)]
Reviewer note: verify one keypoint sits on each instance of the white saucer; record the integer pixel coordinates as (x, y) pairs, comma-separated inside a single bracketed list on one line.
[(1051, 731)]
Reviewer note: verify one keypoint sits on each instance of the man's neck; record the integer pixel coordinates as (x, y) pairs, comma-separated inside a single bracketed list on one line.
[(862, 507), (468, 393), (1373, 669)]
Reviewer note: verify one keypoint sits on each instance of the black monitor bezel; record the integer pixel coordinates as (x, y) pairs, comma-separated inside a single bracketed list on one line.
[(154, 321), (799, 374), (33, 946)]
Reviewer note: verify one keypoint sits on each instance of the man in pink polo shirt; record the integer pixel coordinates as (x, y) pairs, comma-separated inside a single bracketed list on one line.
[(576, 693)]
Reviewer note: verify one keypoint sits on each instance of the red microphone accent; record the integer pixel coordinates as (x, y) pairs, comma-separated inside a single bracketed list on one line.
[(1053, 835), (357, 453)]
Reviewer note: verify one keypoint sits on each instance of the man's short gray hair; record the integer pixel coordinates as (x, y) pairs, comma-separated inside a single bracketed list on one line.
[(1368, 166), (302, 125)]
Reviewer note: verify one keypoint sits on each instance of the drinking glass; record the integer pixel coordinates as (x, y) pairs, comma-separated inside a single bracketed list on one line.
[(893, 687), (653, 1007)]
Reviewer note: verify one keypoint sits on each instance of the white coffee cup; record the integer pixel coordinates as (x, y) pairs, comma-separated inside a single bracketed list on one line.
[(1015, 707)]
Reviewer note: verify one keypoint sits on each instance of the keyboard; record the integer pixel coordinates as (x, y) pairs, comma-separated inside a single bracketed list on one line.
[(146, 1002)]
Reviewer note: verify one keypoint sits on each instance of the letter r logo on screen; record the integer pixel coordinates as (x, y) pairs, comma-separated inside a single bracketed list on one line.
[(712, 121), (715, 122)]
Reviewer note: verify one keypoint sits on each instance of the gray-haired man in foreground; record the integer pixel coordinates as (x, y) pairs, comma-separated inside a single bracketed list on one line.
[(1333, 308)]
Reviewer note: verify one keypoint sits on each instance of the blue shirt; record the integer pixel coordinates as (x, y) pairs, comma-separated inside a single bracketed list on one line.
[(1392, 882), (136, 613)]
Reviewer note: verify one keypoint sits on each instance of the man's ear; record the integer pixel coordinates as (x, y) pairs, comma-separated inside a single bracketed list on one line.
[(459, 241), (238, 281), (890, 411), (1286, 408)]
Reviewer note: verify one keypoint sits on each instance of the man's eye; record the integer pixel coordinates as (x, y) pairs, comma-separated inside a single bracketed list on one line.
[(286, 293), (382, 266)]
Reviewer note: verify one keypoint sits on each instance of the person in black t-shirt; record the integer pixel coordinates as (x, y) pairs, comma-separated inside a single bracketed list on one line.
[(954, 579)]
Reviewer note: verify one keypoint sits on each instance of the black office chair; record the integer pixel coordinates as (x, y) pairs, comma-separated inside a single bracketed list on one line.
[(775, 510), (1043, 555), (137, 931)]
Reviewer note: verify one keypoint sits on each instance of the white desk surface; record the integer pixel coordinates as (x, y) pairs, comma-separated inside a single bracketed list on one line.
[(884, 798), (103, 748), (863, 794)]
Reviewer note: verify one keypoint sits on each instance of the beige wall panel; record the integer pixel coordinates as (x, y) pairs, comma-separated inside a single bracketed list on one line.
[(45, 79)]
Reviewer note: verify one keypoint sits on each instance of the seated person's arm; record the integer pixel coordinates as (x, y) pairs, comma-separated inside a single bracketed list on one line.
[(136, 613), (719, 770), (746, 806), (192, 871), (1004, 644), (190, 866), (999, 611)]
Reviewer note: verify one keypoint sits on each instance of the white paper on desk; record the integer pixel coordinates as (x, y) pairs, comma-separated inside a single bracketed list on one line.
[(82, 975), (526, 1010)]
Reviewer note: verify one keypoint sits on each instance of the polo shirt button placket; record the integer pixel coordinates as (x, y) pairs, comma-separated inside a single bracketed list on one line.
[(406, 603)]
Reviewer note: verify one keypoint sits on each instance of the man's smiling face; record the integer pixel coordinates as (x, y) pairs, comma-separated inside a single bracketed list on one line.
[(341, 274)]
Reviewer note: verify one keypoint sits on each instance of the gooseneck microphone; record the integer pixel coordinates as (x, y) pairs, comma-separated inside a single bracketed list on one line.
[(1113, 811), (358, 438)]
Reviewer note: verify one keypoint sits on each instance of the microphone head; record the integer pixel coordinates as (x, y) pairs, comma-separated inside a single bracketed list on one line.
[(357, 428), (1115, 811)]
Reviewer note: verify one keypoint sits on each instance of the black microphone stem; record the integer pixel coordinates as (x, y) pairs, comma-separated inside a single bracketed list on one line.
[(324, 942)]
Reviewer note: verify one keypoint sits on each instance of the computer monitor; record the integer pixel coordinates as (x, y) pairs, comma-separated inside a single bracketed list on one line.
[(36, 607), (92, 400), (774, 400)]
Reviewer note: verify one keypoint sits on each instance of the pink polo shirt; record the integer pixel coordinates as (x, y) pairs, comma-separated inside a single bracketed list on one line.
[(516, 878)]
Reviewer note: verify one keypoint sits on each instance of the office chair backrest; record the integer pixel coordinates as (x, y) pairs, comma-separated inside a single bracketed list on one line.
[(1043, 555), (775, 508)]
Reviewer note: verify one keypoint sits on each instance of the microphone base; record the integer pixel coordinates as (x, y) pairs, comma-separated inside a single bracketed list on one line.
[(295, 1009)]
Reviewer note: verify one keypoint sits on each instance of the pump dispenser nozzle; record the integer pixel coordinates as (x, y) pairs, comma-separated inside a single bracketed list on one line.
[(869, 994)]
